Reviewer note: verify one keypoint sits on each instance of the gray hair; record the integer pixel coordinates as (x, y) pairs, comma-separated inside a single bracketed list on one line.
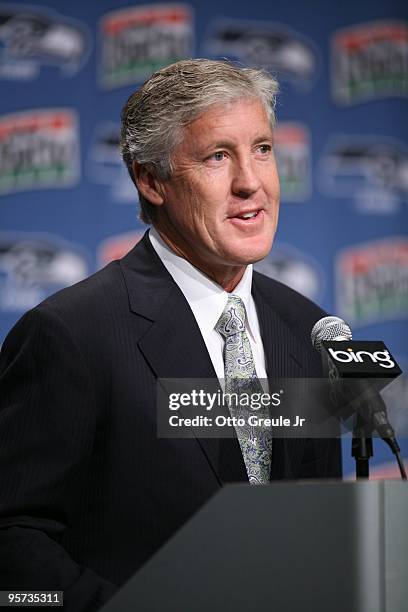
[(154, 117)]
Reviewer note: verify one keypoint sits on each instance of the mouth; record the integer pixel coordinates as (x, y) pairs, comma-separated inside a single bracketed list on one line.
[(248, 221), (247, 216)]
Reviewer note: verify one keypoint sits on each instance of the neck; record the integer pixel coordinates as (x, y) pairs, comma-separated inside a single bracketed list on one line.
[(226, 276)]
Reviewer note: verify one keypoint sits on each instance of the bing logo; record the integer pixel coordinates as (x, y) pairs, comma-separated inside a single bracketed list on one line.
[(346, 356)]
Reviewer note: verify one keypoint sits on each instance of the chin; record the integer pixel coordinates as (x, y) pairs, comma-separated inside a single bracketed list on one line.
[(251, 253), (247, 257)]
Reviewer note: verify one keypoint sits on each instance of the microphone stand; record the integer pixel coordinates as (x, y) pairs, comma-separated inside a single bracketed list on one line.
[(362, 444), (362, 447)]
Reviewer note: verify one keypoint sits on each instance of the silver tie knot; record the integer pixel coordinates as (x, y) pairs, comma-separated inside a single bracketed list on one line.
[(232, 320)]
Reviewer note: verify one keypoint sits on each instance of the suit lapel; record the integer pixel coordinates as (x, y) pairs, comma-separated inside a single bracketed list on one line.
[(283, 360), (282, 355), (173, 345)]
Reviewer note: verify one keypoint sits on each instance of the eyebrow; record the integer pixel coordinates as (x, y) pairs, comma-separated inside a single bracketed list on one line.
[(225, 144)]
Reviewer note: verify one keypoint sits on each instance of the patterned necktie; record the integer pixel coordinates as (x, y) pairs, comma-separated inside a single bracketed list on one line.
[(240, 377)]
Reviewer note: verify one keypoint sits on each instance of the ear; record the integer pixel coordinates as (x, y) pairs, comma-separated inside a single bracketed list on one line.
[(149, 186)]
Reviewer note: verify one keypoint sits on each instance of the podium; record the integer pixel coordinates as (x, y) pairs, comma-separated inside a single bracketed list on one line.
[(285, 547)]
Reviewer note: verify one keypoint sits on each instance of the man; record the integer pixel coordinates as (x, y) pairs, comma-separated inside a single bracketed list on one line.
[(87, 490)]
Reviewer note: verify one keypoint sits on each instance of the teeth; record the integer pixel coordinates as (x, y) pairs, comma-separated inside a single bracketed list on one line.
[(248, 215)]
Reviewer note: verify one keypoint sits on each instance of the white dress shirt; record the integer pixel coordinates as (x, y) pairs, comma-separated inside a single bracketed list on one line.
[(207, 300)]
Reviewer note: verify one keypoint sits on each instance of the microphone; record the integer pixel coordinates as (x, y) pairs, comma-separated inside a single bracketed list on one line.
[(348, 362), (329, 328)]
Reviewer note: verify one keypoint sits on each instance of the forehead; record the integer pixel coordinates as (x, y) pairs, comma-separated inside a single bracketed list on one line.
[(241, 120)]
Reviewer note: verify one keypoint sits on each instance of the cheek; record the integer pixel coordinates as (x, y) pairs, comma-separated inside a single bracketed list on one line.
[(198, 204), (271, 179), (206, 201), (181, 202)]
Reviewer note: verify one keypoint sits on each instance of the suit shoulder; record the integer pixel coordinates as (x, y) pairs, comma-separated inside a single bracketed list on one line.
[(91, 287), (91, 297), (296, 309), (82, 319)]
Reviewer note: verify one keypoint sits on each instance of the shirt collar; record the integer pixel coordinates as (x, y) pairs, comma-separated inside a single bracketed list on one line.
[(206, 298)]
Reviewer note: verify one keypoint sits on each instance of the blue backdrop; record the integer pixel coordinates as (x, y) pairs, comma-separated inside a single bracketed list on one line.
[(67, 206)]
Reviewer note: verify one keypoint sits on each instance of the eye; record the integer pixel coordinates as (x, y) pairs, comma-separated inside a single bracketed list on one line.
[(217, 155), (264, 149)]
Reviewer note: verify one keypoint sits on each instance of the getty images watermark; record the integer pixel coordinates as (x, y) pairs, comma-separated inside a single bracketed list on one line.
[(251, 408), (201, 408)]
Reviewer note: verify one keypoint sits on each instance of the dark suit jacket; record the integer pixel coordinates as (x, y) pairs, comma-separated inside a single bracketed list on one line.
[(87, 490)]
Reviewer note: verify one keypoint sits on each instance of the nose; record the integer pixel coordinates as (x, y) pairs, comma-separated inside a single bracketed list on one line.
[(245, 180)]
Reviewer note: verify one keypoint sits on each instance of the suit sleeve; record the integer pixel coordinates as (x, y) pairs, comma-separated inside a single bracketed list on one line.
[(47, 424)]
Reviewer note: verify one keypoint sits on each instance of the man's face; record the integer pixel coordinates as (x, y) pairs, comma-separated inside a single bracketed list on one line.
[(221, 203)]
